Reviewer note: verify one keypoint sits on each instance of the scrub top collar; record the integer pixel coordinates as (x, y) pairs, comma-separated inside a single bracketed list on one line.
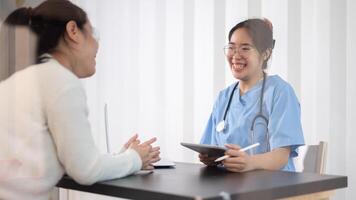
[(251, 93)]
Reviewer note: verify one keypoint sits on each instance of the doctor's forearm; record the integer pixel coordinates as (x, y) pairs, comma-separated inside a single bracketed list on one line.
[(273, 160)]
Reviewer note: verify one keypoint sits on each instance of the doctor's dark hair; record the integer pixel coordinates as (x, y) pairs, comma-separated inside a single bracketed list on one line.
[(261, 32), (48, 21)]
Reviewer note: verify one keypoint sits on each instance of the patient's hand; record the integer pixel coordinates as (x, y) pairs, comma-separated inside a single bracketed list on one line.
[(148, 154), (153, 157), (129, 142)]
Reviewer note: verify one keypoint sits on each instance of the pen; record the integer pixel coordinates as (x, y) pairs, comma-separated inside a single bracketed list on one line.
[(243, 149)]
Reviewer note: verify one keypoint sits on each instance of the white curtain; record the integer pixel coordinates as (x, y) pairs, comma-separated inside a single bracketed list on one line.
[(160, 66)]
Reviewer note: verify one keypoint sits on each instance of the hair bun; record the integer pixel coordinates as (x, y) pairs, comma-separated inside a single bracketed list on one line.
[(269, 23)]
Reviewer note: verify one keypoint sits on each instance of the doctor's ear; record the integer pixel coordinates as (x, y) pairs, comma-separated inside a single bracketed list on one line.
[(266, 54)]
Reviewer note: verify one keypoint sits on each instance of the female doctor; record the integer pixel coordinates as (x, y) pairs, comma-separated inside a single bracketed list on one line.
[(258, 108)]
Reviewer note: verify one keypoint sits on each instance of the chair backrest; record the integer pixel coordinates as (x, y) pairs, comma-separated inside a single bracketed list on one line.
[(315, 158)]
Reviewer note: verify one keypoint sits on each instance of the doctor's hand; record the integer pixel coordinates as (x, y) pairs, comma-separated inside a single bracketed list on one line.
[(208, 161), (148, 154), (238, 161)]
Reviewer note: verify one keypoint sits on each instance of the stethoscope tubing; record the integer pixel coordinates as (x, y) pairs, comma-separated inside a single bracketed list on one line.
[(259, 114)]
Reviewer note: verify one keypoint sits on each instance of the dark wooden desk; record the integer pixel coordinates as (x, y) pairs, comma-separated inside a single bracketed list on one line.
[(194, 181)]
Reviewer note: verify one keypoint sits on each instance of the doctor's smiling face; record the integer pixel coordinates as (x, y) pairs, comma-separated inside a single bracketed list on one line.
[(250, 46), (244, 59)]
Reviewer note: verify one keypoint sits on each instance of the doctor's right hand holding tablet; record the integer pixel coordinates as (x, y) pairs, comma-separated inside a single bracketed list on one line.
[(258, 108)]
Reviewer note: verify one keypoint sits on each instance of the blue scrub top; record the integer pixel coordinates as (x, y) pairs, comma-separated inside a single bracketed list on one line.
[(280, 106)]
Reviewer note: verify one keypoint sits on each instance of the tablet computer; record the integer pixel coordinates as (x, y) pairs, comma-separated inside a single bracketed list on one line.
[(211, 150)]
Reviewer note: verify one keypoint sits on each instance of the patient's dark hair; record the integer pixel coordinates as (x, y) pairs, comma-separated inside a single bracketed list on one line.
[(261, 32), (48, 22)]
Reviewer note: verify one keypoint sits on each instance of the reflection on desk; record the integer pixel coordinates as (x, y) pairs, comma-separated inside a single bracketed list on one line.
[(195, 181)]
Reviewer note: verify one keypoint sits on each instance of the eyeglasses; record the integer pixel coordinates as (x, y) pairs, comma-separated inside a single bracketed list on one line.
[(243, 50)]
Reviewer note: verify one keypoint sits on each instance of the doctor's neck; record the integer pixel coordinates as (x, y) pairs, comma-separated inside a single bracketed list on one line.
[(246, 84)]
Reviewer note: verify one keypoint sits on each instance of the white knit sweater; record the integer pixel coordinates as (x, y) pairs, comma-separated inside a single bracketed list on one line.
[(45, 132)]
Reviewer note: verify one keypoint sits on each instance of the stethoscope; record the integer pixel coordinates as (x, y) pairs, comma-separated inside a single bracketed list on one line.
[(221, 126)]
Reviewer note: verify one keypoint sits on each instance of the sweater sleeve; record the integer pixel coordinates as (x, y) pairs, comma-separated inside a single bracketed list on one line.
[(67, 116)]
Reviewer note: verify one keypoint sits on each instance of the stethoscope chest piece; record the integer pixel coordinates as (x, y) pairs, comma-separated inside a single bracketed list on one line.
[(221, 126)]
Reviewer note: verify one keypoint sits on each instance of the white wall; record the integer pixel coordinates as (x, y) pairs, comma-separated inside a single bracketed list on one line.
[(161, 65), (350, 101)]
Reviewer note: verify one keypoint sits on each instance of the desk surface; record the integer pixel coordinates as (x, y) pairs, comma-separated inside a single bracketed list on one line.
[(195, 181)]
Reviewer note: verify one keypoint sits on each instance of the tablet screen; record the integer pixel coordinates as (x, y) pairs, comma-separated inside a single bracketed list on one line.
[(211, 150)]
